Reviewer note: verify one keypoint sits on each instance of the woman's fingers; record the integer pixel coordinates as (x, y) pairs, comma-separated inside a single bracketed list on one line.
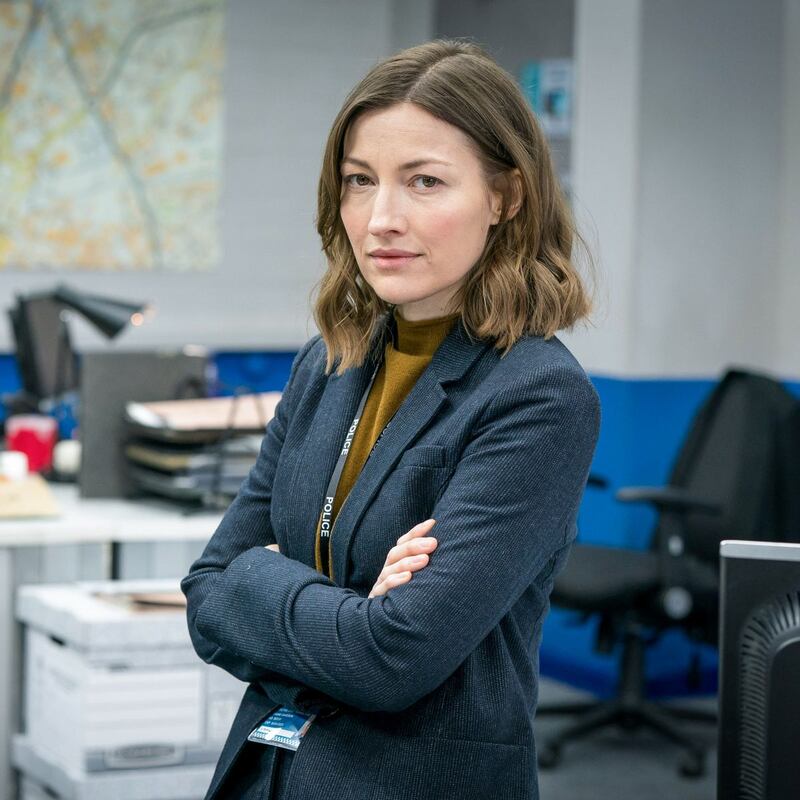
[(411, 553), (413, 547), (383, 586), (418, 530), (403, 566), (414, 542), (408, 564)]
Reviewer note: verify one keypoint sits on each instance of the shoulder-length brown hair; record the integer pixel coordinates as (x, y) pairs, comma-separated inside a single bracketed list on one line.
[(525, 280)]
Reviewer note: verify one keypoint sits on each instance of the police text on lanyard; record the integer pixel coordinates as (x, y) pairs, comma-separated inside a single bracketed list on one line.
[(327, 508)]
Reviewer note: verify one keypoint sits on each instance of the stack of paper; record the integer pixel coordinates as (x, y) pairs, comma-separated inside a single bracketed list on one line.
[(204, 419), (195, 449)]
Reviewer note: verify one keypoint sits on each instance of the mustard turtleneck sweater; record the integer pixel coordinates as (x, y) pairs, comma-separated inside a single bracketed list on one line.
[(404, 361)]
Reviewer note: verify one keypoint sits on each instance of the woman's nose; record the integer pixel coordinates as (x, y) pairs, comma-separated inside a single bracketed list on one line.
[(387, 214)]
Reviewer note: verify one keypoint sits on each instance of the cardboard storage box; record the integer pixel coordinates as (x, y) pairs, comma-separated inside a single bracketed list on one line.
[(112, 681), (40, 779)]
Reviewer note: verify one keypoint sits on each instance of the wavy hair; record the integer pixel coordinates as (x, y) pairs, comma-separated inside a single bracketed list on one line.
[(525, 281)]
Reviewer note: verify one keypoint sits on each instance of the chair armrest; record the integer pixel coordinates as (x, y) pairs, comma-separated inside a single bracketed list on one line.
[(597, 481), (667, 498), (675, 565)]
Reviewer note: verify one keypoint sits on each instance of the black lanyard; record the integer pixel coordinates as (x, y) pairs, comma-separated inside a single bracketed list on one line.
[(325, 526)]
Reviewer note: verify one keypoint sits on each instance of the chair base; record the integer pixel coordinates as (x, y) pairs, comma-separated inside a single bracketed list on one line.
[(594, 716), (629, 710)]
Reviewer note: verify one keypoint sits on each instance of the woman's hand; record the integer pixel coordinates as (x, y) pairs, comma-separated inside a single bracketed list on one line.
[(274, 547), (407, 556)]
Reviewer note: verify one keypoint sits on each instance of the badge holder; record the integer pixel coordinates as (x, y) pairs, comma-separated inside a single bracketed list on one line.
[(283, 728)]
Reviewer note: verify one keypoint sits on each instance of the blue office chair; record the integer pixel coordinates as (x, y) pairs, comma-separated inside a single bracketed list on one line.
[(736, 477)]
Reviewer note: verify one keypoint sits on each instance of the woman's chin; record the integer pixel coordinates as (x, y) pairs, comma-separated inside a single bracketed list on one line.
[(396, 298)]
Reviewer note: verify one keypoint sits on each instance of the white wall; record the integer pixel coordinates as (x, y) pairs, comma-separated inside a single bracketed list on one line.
[(515, 32), (686, 164), (605, 156), (412, 22), (707, 244), (690, 176), (789, 300), (289, 65)]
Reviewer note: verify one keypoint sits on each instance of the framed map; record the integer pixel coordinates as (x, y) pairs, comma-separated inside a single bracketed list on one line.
[(110, 134)]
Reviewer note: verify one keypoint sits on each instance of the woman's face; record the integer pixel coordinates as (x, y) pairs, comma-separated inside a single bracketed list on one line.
[(416, 207)]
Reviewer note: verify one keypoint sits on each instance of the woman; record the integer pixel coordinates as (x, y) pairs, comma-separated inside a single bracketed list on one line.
[(386, 566)]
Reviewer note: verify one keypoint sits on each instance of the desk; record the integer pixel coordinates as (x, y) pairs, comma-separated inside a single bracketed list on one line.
[(156, 541)]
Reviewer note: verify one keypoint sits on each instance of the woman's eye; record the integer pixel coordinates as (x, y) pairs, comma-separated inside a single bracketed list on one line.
[(425, 181), (358, 179)]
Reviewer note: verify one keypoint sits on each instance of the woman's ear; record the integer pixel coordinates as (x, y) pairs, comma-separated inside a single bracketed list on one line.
[(516, 193), (496, 202), (507, 190)]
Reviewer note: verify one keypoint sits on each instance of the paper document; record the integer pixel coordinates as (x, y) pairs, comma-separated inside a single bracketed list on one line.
[(251, 412), (30, 497)]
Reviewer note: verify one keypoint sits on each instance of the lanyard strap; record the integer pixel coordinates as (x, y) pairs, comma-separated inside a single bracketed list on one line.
[(327, 507)]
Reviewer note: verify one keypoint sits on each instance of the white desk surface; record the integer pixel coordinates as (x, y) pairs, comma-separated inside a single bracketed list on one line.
[(85, 520)]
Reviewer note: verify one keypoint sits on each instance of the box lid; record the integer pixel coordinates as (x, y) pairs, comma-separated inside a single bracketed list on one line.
[(165, 783), (105, 615)]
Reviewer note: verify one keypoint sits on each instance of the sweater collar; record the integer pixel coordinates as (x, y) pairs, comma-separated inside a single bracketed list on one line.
[(450, 362), (421, 337)]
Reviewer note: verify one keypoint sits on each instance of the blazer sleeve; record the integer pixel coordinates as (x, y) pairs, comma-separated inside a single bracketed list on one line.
[(246, 525), (507, 508)]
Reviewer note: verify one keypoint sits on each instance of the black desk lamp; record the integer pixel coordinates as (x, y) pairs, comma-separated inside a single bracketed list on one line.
[(47, 363)]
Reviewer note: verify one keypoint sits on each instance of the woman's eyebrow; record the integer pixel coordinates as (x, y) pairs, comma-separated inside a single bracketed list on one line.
[(418, 162)]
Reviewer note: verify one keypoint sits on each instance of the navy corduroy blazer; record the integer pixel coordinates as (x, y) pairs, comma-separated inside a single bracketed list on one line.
[(429, 691)]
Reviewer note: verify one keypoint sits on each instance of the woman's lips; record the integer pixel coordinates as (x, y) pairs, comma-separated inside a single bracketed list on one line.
[(390, 260)]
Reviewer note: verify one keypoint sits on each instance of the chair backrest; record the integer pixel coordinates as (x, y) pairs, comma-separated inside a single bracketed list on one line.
[(732, 457), (789, 485)]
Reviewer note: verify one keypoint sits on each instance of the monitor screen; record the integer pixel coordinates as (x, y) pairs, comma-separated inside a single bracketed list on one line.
[(759, 728)]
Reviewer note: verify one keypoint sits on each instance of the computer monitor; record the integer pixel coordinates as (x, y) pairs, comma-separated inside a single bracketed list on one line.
[(759, 727), (109, 380)]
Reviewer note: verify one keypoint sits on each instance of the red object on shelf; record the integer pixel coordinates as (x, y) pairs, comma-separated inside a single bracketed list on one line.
[(36, 436)]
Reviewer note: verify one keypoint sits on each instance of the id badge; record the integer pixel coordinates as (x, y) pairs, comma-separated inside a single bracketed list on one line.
[(283, 728)]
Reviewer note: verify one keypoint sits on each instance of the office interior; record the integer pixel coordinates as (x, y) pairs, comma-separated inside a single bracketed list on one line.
[(681, 158)]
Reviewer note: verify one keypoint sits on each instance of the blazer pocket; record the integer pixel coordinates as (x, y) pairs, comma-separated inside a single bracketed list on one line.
[(427, 455), (453, 769)]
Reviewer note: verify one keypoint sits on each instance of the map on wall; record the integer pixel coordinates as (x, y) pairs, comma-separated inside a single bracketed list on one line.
[(110, 134)]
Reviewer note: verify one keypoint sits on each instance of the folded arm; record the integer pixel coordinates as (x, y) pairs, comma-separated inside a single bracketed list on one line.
[(507, 508), (246, 524)]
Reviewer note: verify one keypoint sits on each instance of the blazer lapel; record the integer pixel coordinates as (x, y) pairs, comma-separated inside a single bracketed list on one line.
[(450, 362), (320, 451)]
